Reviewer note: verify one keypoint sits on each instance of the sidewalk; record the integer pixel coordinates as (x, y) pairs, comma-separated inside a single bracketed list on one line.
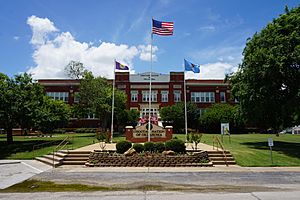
[(112, 146)]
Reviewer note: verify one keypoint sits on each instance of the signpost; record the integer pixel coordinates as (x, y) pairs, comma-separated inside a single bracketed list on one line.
[(271, 144), (225, 130)]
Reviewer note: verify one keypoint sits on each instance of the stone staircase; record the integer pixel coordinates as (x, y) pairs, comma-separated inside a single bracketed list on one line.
[(218, 158), (65, 157)]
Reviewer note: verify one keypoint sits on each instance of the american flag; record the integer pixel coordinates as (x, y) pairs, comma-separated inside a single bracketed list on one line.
[(162, 28)]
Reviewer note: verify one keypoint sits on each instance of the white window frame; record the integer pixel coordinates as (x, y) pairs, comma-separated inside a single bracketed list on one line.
[(63, 96), (203, 97), (145, 95), (164, 96), (177, 96), (222, 97), (134, 96)]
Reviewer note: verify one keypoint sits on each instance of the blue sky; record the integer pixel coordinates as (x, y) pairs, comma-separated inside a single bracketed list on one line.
[(42, 36)]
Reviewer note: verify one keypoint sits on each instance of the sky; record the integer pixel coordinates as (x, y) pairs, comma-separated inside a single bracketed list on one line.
[(41, 37)]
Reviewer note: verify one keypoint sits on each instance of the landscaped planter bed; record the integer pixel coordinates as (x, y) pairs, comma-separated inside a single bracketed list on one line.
[(99, 159)]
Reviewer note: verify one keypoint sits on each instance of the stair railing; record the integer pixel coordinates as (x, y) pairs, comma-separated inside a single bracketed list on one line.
[(38, 146), (219, 144), (61, 146)]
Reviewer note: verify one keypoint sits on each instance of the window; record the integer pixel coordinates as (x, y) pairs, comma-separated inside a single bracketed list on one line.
[(222, 97), (203, 97), (63, 96), (146, 96), (164, 96), (76, 97), (134, 96), (177, 96)]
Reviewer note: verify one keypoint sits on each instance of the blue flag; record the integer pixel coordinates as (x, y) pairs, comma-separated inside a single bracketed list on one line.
[(120, 66), (191, 67)]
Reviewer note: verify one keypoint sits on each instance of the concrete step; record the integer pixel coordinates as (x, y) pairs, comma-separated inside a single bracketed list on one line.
[(59, 154), (48, 161), (75, 152), (56, 158), (217, 152), (77, 155)]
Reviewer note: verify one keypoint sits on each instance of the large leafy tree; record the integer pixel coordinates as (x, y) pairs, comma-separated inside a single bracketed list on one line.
[(75, 69), (53, 114), (267, 81), (21, 99), (96, 98), (175, 114), (219, 113)]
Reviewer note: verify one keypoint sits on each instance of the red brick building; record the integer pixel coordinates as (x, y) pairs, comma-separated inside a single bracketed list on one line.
[(167, 89)]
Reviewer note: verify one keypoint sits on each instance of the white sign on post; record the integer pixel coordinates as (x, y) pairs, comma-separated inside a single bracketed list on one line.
[(225, 129), (270, 142)]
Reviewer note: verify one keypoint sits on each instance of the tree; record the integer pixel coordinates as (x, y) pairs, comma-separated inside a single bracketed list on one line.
[(53, 114), (211, 120), (75, 69), (267, 81), (21, 99), (175, 114), (96, 98)]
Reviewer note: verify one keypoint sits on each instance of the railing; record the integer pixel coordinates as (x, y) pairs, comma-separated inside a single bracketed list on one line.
[(219, 144), (38, 146), (61, 146)]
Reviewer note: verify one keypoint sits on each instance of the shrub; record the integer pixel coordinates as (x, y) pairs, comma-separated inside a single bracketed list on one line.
[(85, 130), (59, 130), (123, 146), (149, 146), (159, 147), (138, 147), (102, 137), (177, 146)]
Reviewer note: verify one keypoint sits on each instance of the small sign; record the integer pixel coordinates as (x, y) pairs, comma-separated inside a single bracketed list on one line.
[(270, 142), (225, 129)]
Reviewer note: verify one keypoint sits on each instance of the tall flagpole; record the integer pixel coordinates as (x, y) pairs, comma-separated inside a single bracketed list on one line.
[(113, 106), (185, 110), (150, 95)]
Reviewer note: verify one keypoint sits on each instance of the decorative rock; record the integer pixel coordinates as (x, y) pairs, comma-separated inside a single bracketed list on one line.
[(168, 153), (130, 152)]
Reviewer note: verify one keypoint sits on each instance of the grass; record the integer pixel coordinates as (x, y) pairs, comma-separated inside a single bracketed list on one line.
[(252, 149), (22, 148)]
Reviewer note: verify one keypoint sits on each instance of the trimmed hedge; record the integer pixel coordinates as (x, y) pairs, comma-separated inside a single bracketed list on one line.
[(159, 147), (139, 148), (176, 145), (123, 146), (149, 146)]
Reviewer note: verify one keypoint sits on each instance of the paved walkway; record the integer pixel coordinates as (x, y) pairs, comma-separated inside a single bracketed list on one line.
[(16, 171), (112, 146)]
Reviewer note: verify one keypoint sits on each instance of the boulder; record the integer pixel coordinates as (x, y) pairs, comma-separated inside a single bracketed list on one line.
[(130, 152), (168, 153)]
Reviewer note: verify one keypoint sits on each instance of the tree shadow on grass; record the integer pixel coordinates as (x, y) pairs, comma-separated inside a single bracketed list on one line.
[(23, 146), (288, 148)]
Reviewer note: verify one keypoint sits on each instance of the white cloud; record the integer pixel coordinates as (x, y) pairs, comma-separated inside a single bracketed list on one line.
[(52, 55), (145, 52), (212, 71), (41, 27), (16, 38)]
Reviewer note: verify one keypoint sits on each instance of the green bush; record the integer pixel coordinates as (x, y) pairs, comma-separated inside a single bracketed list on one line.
[(159, 147), (102, 137), (123, 146), (138, 147), (85, 130), (149, 146), (59, 130), (177, 146)]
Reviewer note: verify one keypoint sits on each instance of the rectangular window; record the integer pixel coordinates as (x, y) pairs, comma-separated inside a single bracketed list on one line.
[(134, 96), (222, 97), (177, 96), (63, 96), (164, 96), (146, 96), (203, 97)]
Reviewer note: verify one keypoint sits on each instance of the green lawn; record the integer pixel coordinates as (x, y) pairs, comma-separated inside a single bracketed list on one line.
[(252, 149), (22, 148)]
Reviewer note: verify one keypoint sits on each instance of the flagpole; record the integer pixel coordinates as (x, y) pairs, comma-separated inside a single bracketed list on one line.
[(150, 91), (185, 110), (113, 106)]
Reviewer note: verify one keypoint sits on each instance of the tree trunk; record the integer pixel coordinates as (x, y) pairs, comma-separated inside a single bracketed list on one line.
[(9, 135)]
